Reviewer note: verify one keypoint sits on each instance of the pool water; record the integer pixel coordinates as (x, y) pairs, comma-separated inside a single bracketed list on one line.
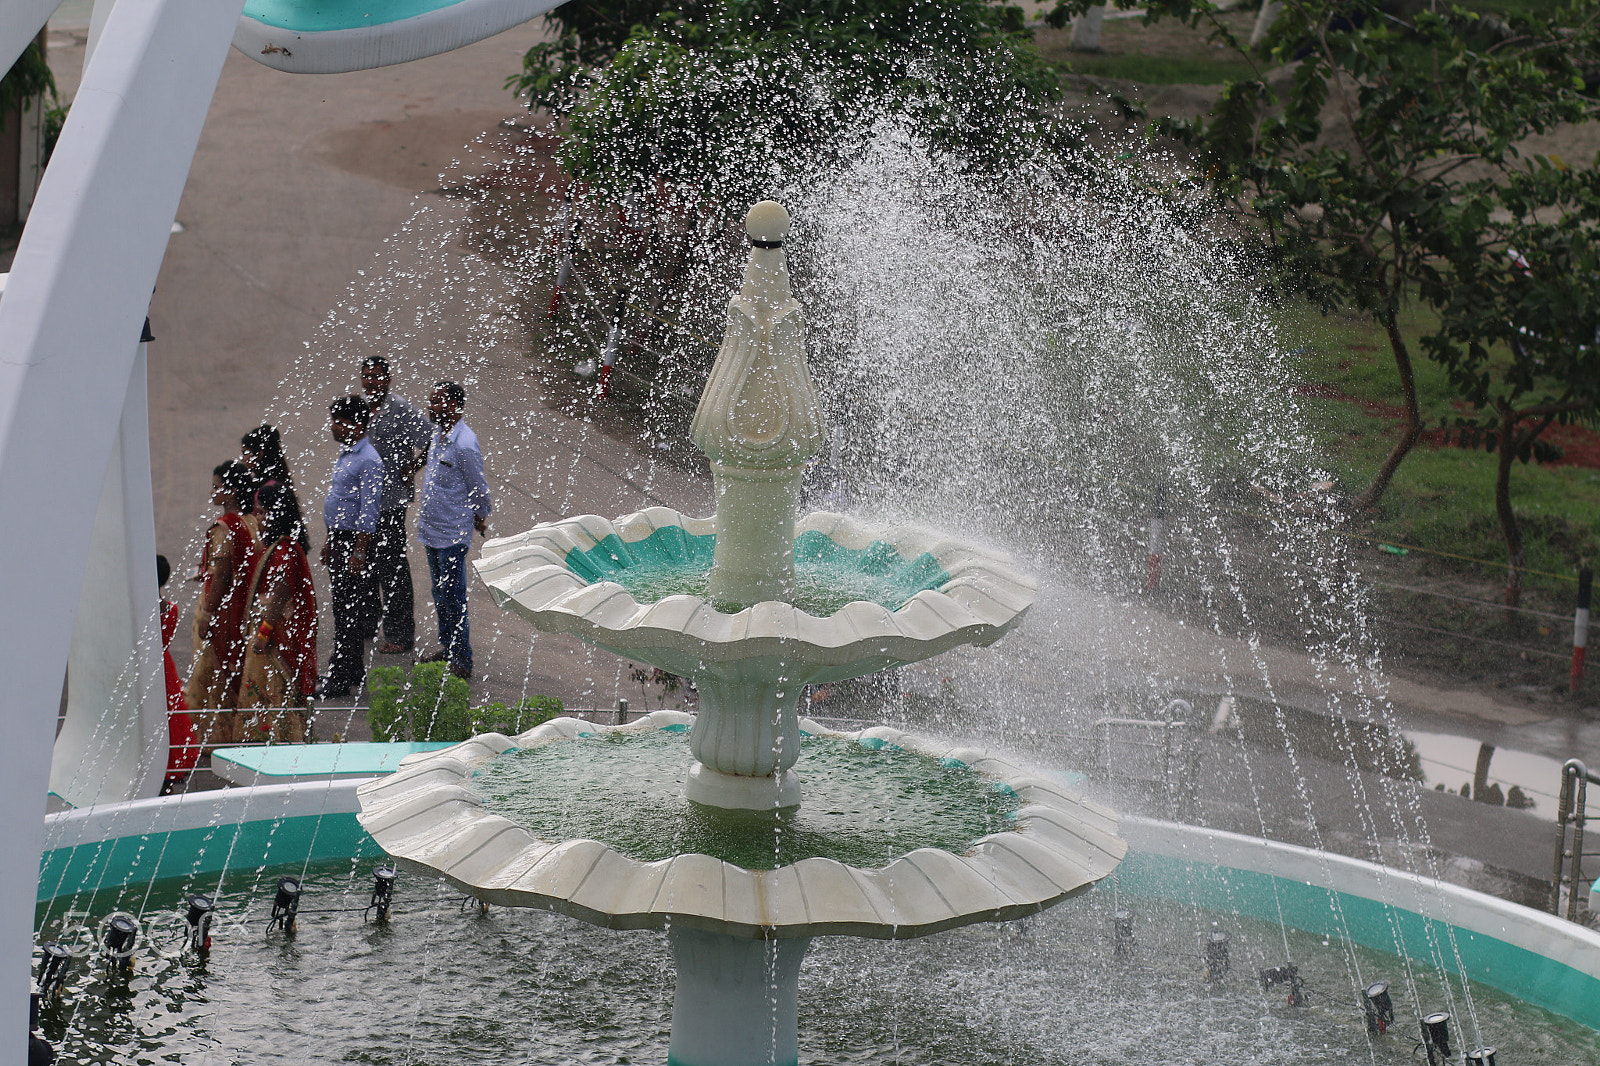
[(443, 985), (864, 805)]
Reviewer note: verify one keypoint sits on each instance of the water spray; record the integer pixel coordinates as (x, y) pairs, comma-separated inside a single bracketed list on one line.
[(1217, 963), (608, 356), (568, 229), (119, 939), (286, 907), (1158, 518), (383, 879), (53, 970), (1378, 1007), (1436, 1038), (201, 911), (1287, 974)]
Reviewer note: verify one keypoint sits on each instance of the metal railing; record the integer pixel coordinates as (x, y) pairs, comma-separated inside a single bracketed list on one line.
[(1155, 753), (1571, 810)]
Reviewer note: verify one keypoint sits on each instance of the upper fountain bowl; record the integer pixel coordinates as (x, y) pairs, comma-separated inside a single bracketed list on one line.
[(867, 599)]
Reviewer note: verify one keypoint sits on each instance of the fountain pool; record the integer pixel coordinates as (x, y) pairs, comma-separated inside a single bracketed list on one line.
[(439, 981)]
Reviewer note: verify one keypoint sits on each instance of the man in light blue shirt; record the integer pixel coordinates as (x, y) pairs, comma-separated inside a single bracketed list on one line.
[(454, 501), (351, 511)]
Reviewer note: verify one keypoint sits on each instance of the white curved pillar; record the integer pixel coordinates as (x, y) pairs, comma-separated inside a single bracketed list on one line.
[(20, 22), (113, 743), (69, 331), (737, 1001)]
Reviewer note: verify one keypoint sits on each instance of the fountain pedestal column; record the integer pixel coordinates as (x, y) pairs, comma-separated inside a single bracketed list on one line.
[(758, 422), (737, 1000), (746, 737)]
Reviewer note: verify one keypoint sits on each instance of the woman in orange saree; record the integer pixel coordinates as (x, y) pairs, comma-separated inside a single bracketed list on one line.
[(280, 662)]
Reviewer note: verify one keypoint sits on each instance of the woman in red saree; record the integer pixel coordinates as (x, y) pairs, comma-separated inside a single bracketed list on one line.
[(183, 749), (280, 662), (226, 563)]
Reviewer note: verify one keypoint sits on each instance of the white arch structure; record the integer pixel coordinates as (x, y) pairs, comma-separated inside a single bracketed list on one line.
[(77, 539)]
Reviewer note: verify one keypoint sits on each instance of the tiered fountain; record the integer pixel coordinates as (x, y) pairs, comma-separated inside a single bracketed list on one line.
[(752, 605)]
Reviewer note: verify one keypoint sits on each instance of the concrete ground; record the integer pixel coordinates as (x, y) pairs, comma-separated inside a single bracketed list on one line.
[(314, 233)]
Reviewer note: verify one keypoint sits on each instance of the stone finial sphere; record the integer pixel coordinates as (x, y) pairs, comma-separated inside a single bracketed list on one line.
[(767, 221)]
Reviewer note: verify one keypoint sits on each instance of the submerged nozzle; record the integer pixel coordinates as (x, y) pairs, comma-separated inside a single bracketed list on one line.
[(1122, 932), (1436, 1037), (201, 909), (1287, 974), (286, 905), (53, 969), (383, 879), (118, 939), (1217, 962), (1378, 1007), (1481, 1056)]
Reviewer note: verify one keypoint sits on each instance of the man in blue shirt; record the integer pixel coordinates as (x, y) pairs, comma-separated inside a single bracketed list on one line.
[(351, 512), (455, 500)]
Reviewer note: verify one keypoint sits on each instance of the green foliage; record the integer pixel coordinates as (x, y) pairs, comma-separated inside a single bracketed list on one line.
[(384, 714), (510, 721), (435, 705), (729, 97), (29, 76), (1385, 163)]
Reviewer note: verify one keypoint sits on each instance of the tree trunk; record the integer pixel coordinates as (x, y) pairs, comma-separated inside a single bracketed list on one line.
[(1507, 449), (1086, 29), (1409, 432)]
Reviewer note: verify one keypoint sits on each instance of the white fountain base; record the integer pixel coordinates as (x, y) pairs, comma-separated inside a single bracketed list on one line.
[(737, 1000), (740, 793)]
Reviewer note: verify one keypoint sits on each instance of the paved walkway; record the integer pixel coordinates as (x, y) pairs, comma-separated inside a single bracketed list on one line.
[(314, 234)]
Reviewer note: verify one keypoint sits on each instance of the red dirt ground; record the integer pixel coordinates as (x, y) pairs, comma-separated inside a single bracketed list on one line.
[(1579, 446)]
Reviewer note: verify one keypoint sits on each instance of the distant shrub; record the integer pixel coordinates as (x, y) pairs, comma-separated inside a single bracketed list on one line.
[(435, 705)]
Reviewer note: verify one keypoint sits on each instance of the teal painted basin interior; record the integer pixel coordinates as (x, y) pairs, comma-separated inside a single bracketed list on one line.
[(320, 16), (673, 561)]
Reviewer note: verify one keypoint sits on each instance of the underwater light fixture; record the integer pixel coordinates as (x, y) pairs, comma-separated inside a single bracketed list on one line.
[(383, 879), (286, 906), (1378, 1007), (1481, 1056), (1287, 974), (1217, 954), (1436, 1037), (201, 909), (53, 969), (118, 939)]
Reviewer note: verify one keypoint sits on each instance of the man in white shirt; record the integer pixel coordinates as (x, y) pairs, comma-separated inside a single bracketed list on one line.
[(454, 501)]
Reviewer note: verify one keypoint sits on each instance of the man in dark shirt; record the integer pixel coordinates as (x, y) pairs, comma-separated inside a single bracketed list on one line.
[(351, 512), (399, 432)]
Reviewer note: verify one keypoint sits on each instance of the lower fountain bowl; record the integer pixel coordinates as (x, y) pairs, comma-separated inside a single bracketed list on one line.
[(1055, 844)]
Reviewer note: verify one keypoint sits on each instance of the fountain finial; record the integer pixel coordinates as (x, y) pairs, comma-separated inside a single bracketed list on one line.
[(758, 422)]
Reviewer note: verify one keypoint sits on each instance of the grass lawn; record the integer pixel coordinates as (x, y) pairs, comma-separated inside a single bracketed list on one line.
[(1167, 53), (1442, 498)]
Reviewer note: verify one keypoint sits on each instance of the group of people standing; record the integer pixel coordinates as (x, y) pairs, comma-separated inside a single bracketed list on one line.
[(255, 625)]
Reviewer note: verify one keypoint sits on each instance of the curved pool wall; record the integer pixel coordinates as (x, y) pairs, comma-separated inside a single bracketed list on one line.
[(1528, 954)]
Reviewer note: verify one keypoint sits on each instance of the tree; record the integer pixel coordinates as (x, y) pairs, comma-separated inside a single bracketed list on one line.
[(730, 97), (1379, 162)]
